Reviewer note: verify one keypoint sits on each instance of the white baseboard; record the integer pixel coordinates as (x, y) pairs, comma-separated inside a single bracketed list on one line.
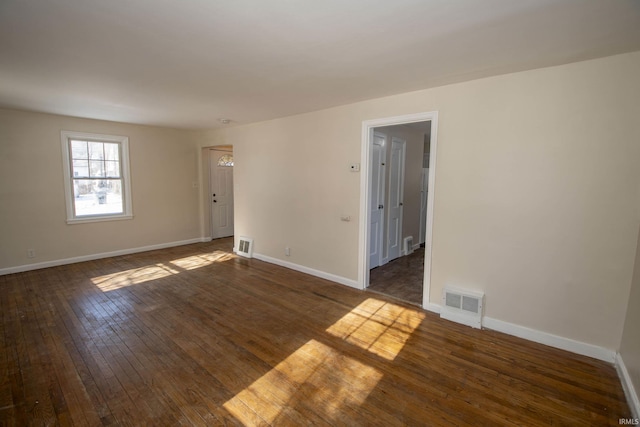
[(541, 337), (627, 385), (551, 340), (91, 257), (307, 270), (434, 308)]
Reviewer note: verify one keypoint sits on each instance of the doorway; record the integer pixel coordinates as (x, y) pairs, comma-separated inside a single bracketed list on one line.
[(406, 213), (221, 191)]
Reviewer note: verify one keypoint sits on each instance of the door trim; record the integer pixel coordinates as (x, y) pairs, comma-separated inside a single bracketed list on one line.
[(364, 239)]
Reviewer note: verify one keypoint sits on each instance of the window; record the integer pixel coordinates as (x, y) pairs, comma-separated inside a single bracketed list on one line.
[(226, 160), (96, 174)]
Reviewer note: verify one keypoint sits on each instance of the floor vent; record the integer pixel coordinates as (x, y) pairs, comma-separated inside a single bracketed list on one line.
[(462, 306), (408, 245), (245, 247)]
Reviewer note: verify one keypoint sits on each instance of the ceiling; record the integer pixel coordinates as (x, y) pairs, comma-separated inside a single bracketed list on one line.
[(189, 63)]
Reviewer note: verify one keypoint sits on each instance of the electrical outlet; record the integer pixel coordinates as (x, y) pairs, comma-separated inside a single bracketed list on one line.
[(287, 251), (31, 253)]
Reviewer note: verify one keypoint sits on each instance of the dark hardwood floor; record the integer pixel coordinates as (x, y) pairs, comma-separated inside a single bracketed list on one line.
[(196, 336), (401, 278)]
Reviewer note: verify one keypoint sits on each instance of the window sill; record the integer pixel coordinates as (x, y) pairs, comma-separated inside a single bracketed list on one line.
[(71, 221)]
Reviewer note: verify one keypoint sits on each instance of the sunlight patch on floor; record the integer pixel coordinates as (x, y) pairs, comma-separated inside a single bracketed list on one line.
[(134, 276), (378, 326), (300, 384), (201, 260), (121, 279)]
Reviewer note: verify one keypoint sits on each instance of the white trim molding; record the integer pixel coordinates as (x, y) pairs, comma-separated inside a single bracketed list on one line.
[(313, 272), (551, 340), (91, 257), (627, 385)]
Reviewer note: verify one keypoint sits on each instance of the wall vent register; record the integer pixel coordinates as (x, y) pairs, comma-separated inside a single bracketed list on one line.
[(245, 247), (462, 306)]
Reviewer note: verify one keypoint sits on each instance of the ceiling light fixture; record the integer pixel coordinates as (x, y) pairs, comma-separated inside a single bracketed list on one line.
[(224, 121)]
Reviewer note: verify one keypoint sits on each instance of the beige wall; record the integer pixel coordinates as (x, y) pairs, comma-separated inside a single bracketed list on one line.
[(536, 177), (292, 183), (32, 202), (630, 347)]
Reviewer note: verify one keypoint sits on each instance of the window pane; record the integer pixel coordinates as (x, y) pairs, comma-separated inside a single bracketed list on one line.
[(225, 160), (97, 197), (79, 150), (96, 150), (111, 151), (81, 187), (80, 168), (112, 169), (97, 168)]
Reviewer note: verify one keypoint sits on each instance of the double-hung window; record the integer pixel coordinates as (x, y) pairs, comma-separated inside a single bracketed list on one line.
[(96, 175)]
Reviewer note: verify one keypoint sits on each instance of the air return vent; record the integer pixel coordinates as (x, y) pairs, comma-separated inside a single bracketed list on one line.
[(408, 245), (462, 306), (245, 247)]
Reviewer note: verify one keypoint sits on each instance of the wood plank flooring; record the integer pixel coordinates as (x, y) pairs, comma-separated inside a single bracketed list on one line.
[(196, 336)]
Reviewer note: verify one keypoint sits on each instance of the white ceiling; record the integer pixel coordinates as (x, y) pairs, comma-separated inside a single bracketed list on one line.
[(188, 63)]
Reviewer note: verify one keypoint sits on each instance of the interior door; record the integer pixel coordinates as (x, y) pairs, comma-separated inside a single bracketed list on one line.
[(424, 192), (221, 186), (376, 228), (396, 194)]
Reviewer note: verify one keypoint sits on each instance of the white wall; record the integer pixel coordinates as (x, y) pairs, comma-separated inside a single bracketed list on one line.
[(536, 178), (32, 202)]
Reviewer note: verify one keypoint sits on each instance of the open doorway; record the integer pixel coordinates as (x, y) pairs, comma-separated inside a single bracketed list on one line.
[(398, 171), (220, 191), (399, 189)]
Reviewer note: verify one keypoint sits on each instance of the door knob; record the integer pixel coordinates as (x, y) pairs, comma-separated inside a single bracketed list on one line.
[(215, 201)]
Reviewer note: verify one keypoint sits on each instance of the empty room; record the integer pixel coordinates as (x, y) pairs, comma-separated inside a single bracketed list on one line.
[(419, 212)]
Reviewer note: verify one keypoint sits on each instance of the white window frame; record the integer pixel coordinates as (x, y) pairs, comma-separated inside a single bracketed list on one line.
[(127, 211)]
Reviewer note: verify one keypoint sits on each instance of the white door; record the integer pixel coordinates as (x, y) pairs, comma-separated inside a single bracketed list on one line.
[(424, 192), (377, 188), (221, 197), (396, 194)]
